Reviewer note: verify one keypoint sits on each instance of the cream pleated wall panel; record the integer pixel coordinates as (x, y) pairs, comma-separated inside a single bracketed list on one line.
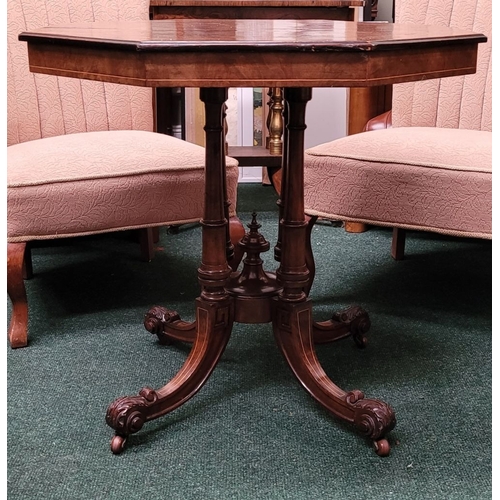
[(41, 106)]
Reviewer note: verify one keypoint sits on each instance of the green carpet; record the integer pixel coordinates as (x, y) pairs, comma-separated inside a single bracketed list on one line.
[(252, 432)]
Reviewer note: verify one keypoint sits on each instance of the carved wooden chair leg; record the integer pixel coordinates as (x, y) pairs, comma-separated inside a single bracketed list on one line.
[(18, 328), (398, 243)]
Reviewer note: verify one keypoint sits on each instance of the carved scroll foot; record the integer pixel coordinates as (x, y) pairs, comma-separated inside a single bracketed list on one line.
[(128, 414), (373, 418), (293, 329), (353, 321), (167, 326)]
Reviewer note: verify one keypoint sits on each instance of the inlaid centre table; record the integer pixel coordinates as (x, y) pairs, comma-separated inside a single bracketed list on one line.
[(214, 55)]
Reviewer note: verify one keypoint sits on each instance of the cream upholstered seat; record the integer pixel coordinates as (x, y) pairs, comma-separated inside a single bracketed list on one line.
[(134, 179), (432, 170), (82, 157)]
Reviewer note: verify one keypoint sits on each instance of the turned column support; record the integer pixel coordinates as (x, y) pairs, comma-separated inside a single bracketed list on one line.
[(275, 122), (293, 272), (214, 269)]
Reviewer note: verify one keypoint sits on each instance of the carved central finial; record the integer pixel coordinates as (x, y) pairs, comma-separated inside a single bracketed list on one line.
[(254, 225), (253, 241)]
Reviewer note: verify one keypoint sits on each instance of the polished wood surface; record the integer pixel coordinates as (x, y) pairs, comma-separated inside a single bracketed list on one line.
[(250, 156), (214, 55), (256, 3), (254, 9), (236, 53)]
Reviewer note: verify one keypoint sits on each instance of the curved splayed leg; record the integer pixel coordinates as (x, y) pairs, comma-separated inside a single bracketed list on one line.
[(293, 332), (214, 307), (127, 415), (293, 326), (352, 321)]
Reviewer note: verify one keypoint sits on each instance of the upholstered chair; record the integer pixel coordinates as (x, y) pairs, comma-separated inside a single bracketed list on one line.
[(430, 168), (82, 156)]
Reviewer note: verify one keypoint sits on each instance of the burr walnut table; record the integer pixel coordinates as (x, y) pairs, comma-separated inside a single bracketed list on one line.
[(214, 55)]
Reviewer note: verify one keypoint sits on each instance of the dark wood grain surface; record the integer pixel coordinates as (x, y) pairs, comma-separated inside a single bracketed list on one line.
[(257, 3), (254, 9), (241, 34), (245, 53)]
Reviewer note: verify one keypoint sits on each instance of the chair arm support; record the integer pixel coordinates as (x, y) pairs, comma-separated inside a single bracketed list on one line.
[(381, 121)]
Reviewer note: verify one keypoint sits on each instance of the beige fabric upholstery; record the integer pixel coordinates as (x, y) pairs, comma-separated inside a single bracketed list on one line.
[(101, 181), (41, 106), (433, 169), (82, 155), (460, 102), (387, 178)]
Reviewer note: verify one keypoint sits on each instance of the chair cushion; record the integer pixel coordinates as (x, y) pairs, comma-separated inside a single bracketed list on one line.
[(426, 178), (95, 182)]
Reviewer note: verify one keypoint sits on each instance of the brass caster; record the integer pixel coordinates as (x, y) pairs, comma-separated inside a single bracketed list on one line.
[(382, 447), (118, 444)]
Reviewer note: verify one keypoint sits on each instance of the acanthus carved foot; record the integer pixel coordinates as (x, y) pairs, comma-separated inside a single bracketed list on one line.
[(128, 414), (352, 321), (373, 418), (156, 319), (357, 319), (167, 325)]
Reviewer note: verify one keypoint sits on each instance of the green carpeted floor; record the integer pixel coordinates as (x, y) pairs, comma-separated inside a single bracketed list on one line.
[(252, 432)]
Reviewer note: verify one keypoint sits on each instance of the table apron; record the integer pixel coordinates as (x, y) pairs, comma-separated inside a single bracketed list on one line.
[(253, 68)]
